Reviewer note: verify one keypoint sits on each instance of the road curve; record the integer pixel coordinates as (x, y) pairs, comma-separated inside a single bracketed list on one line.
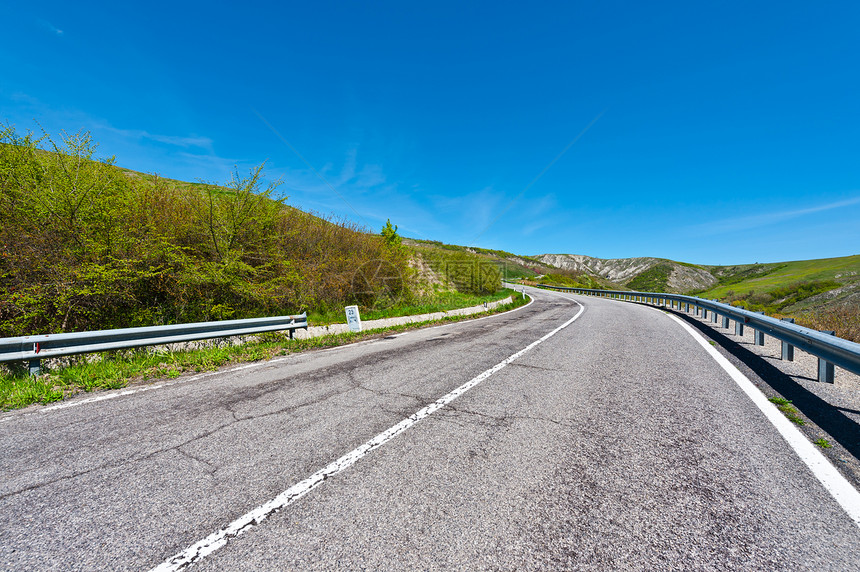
[(616, 443)]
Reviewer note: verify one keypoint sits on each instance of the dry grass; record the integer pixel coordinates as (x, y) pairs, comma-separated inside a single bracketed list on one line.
[(843, 319)]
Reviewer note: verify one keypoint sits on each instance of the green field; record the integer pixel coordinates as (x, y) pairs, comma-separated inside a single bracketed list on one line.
[(752, 279)]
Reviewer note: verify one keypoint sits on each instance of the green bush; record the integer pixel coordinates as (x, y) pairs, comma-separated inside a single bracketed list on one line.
[(85, 246)]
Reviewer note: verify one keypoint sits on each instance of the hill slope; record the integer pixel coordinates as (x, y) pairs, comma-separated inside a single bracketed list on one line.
[(644, 273), (789, 286), (85, 245)]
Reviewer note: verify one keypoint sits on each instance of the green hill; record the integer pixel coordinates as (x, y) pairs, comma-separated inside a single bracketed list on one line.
[(791, 287), (85, 245)]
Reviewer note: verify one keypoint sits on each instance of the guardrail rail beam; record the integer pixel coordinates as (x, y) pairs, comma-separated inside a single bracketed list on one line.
[(830, 350), (34, 349)]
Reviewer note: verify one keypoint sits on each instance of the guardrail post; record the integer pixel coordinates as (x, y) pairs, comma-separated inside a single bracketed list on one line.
[(726, 322), (757, 335), (787, 348), (35, 367), (704, 313), (826, 371), (714, 317), (739, 328)]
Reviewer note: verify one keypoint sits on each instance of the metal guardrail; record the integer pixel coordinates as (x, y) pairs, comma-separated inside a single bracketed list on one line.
[(33, 349), (829, 349)]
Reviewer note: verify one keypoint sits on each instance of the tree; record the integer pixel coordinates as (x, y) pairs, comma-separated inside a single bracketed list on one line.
[(389, 234)]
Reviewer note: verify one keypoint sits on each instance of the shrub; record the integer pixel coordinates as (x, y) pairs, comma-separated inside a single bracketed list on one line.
[(85, 246)]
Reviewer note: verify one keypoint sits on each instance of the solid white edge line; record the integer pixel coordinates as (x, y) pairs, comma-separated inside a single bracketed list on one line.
[(218, 539), (157, 385), (837, 485)]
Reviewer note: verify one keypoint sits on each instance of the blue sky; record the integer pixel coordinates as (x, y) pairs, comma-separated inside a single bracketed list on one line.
[(714, 133)]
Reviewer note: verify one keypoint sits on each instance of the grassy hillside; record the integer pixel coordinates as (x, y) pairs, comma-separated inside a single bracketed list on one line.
[(788, 286), (510, 266), (85, 245)]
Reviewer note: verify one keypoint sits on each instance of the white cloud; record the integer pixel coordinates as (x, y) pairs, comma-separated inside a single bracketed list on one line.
[(765, 219), (50, 27), (184, 141)]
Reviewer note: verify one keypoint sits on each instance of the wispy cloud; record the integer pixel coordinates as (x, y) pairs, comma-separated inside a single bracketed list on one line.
[(50, 27), (765, 219), (184, 141), (468, 211), (180, 141), (540, 214)]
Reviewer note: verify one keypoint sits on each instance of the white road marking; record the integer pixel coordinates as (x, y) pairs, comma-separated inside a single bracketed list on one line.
[(838, 486), (218, 539)]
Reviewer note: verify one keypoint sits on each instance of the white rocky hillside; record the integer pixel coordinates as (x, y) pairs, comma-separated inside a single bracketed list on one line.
[(679, 277)]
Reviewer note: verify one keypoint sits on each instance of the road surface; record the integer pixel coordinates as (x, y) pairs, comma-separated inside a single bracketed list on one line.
[(608, 441)]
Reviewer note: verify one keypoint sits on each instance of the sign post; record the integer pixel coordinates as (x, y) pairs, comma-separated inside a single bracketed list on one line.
[(353, 319)]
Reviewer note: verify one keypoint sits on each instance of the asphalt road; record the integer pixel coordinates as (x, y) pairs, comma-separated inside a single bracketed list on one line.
[(616, 443)]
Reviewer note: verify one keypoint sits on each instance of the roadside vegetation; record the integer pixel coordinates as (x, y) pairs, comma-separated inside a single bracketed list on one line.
[(85, 245), (843, 319), (793, 281), (822, 294), (787, 409), (777, 299)]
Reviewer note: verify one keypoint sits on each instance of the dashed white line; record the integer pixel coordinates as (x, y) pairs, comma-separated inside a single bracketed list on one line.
[(218, 539)]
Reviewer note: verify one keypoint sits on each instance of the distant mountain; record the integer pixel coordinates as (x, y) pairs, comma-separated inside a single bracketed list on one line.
[(643, 273)]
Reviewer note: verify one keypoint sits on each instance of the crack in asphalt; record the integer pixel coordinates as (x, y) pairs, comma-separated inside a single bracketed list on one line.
[(228, 406), (210, 468), (242, 398), (235, 399), (509, 417), (113, 465), (530, 366)]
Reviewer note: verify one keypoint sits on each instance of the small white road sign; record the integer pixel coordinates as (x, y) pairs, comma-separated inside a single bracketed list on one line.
[(353, 319)]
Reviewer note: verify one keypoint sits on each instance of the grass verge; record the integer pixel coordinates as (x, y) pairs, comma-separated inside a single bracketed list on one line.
[(441, 302), (113, 370), (787, 409)]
